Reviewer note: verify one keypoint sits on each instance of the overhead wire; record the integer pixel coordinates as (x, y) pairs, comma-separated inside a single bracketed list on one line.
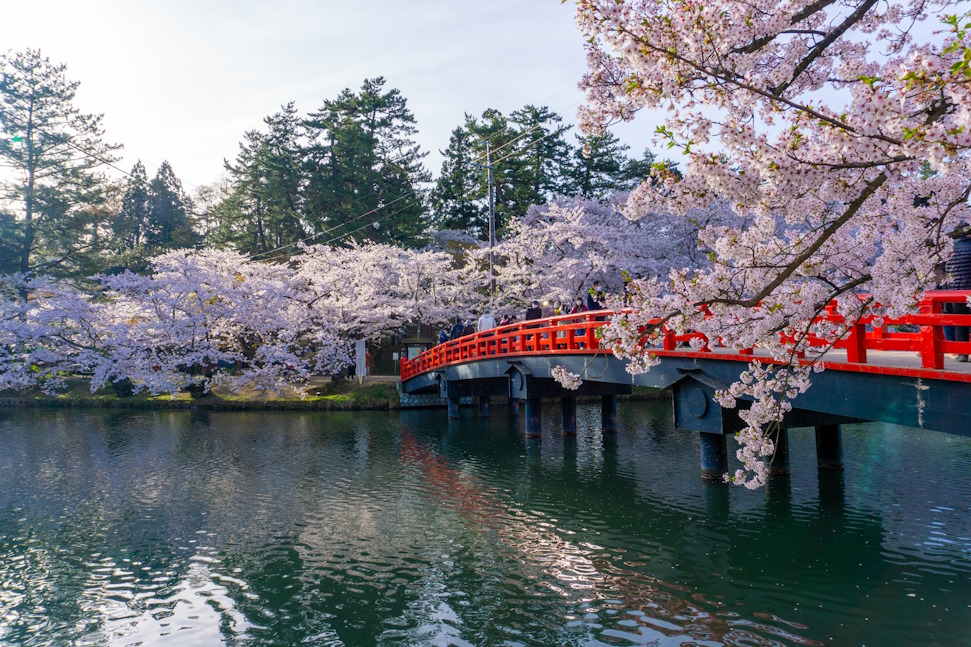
[(411, 193), (484, 156)]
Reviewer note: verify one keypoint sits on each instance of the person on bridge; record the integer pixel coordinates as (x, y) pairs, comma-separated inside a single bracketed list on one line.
[(442, 336), (578, 306), (469, 328), (457, 329), (534, 312), (959, 272), (486, 321), (595, 297)]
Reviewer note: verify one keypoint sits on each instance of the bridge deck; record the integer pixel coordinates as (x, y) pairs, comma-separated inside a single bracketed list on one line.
[(914, 346)]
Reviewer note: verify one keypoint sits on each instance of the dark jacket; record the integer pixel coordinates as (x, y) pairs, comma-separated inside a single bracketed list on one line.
[(442, 336), (468, 330), (595, 303), (534, 313), (959, 267), (456, 331)]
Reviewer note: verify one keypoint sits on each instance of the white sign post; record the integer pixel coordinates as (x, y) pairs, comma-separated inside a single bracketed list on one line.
[(360, 360)]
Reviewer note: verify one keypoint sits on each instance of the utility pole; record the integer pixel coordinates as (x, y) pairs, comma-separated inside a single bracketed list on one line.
[(492, 224)]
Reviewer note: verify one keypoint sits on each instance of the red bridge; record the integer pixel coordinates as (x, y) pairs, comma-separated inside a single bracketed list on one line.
[(897, 372)]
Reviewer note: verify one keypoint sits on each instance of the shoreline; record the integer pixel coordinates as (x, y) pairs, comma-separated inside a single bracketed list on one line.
[(379, 394)]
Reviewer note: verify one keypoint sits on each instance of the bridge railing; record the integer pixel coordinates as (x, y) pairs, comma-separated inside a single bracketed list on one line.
[(922, 333)]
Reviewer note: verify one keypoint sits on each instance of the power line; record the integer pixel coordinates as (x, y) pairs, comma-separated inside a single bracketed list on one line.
[(375, 210)]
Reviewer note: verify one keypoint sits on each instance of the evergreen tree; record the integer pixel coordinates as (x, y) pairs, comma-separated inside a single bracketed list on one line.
[(365, 169), (541, 163), (600, 166), (456, 198), (55, 191), (530, 160), (495, 128), (638, 170), (264, 209), (131, 225), (169, 224)]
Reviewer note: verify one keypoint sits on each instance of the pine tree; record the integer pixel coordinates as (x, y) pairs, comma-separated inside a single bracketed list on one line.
[(456, 198), (265, 208), (55, 151), (365, 169), (600, 166), (169, 225), (542, 158), (495, 128), (131, 225)]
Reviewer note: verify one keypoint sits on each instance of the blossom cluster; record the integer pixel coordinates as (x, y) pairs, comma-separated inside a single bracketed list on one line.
[(565, 378), (840, 130)]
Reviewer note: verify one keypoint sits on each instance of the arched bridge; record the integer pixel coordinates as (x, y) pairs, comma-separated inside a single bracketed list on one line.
[(898, 373)]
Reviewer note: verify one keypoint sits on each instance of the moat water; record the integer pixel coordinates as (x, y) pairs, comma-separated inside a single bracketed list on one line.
[(194, 528)]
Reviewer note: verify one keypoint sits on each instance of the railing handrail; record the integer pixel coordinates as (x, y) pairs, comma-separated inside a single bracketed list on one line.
[(576, 334)]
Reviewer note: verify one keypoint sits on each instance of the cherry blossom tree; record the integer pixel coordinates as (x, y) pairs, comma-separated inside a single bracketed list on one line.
[(556, 250), (371, 290), (842, 129)]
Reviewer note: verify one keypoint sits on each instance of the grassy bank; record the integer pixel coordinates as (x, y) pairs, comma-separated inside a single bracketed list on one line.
[(319, 395)]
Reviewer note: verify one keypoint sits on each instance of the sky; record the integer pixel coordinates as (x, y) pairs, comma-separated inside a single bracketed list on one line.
[(182, 80)]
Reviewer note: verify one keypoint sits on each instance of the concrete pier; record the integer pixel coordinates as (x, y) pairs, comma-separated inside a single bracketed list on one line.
[(714, 456), (829, 447), (779, 461), (534, 417), (568, 406), (608, 413)]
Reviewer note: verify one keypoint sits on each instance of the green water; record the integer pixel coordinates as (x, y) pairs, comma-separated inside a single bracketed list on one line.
[(179, 528)]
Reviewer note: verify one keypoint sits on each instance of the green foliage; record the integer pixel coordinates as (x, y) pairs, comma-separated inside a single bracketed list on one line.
[(154, 216), (55, 195), (365, 171), (350, 170)]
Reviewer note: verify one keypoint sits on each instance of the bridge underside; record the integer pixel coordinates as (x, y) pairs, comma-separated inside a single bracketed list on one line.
[(835, 397)]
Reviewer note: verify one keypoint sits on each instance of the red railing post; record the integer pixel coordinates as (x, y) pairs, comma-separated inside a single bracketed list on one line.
[(669, 341), (856, 345), (931, 337)]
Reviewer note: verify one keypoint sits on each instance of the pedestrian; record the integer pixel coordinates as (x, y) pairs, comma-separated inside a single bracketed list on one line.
[(534, 312), (578, 306), (457, 329), (469, 328), (486, 321), (442, 336), (595, 297), (959, 278), (557, 308)]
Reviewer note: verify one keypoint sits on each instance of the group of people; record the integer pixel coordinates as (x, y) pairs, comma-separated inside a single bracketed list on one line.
[(461, 329), (594, 301)]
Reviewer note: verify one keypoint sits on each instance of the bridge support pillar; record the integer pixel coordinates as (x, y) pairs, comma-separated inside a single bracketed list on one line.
[(569, 407), (513, 406), (534, 417), (608, 413), (779, 461), (714, 456), (829, 447), (453, 407), (483, 406)]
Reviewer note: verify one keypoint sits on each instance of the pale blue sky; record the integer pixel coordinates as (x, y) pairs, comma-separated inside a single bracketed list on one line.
[(182, 79)]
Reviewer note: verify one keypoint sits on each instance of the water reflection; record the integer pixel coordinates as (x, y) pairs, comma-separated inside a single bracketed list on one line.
[(197, 528)]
